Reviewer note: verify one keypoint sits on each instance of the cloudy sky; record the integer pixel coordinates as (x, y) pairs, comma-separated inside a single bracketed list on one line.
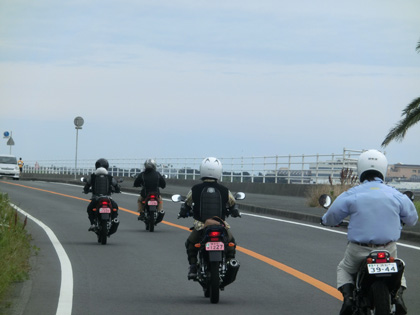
[(183, 78)]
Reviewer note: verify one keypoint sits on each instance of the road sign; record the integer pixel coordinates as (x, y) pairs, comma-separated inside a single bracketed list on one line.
[(78, 122), (6, 134), (10, 141)]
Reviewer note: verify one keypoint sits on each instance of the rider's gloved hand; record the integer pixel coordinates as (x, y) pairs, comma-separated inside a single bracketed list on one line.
[(234, 212), (184, 211)]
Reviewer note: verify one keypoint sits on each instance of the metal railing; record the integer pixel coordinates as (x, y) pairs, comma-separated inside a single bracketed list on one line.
[(291, 169)]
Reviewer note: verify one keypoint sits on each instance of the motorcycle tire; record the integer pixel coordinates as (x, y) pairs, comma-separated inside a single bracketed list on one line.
[(104, 232), (151, 224), (381, 298), (214, 282)]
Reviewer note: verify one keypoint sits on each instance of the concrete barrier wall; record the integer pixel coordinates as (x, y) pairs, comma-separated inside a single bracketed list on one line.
[(296, 190)]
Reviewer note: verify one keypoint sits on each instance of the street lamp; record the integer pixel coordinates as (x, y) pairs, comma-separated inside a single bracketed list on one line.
[(78, 122)]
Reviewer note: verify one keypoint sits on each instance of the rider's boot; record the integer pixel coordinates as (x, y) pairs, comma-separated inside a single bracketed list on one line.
[(192, 272), (141, 216), (347, 291)]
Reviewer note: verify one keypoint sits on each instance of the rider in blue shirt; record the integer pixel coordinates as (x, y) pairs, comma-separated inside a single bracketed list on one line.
[(376, 211)]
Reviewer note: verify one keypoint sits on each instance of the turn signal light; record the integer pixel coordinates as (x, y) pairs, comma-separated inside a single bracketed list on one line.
[(369, 260), (198, 245), (391, 259), (231, 244)]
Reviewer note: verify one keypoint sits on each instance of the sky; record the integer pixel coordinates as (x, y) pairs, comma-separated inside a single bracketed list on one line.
[(178, 78)]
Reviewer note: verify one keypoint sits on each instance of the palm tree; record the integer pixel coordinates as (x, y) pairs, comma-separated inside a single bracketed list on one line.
[(411, 116)]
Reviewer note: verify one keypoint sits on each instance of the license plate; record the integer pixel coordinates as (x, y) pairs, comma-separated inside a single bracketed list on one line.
[(215, 246), (152, 203), (382, 268), (104, 210)]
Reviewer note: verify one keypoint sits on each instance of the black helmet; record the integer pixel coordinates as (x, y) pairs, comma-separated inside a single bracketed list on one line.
[(150, 164), (102, 163)]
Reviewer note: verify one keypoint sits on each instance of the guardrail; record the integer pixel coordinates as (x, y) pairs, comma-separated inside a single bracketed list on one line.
[(290, 169)]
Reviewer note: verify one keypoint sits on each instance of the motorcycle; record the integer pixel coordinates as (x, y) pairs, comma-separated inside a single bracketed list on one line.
[(105, 226), (151, 215), (214, 272), (377, 280)]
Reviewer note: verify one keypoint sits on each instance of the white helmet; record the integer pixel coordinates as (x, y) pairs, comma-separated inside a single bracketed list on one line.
[(101, 171), (211, 167), (372, 160)]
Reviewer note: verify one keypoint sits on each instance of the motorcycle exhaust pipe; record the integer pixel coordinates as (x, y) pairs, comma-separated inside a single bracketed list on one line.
[(160, 216), (114, 226), (231, 272)]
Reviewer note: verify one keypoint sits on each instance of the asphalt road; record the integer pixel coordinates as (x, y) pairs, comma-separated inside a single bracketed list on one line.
[(286, 267)]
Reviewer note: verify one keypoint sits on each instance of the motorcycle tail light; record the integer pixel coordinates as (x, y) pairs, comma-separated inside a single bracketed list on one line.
[(214, 233), (381, 255), (104, 203), (152, 197)]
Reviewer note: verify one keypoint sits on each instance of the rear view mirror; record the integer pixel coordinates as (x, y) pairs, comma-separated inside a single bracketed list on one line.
[(325, 201)]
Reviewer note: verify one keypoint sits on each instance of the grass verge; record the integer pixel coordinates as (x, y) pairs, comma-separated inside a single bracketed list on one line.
[(15, 247)]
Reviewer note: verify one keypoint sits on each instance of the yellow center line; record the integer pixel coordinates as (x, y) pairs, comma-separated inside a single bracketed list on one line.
[(293, 272)]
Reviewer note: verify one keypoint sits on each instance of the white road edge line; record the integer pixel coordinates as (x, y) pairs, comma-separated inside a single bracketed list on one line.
[(318, 227), (65, 301)]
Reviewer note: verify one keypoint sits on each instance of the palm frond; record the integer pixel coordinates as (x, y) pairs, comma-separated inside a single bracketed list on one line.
[(412, 117), (412, 106)]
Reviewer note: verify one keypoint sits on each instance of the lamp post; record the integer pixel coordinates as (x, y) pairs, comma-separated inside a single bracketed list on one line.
[(78, 122)]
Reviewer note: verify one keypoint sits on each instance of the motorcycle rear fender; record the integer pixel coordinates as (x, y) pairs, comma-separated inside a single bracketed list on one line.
[(393, 280), (152, 208), (215, 255), (104, 216)]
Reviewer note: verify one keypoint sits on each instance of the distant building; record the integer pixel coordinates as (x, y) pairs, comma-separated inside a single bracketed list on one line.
[(321, 171), (403, 172)]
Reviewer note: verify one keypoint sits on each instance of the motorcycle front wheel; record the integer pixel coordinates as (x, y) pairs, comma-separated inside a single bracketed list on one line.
[(214, 282), (381, 298)]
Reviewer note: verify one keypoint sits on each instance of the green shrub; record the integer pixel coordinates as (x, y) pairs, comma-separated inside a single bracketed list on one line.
[(15, 248), (347, 180)]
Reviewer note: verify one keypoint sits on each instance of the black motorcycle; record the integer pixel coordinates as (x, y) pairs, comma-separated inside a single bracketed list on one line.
[(377, 281), (105, 226), (214, 272), (151, 214)]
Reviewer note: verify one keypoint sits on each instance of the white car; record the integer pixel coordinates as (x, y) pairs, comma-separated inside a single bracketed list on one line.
[(9, 166)]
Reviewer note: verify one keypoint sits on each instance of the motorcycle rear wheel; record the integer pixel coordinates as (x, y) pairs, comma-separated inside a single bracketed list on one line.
[(104, 232), (381, 298), (214, 282), (151, 224)]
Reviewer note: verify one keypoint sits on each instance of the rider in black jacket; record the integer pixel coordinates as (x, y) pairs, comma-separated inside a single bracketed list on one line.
[(101, 183), (150, 180), (207, 200)]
